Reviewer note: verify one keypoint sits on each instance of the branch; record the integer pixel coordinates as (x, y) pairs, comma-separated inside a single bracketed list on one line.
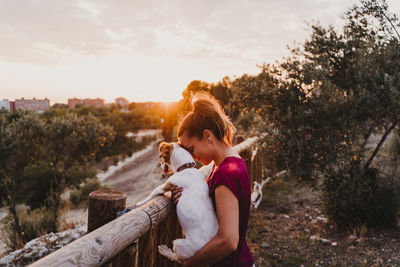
[(390, 21), (384, 136)]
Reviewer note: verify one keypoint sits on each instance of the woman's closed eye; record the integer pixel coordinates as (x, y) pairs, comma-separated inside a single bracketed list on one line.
[(190, 150)]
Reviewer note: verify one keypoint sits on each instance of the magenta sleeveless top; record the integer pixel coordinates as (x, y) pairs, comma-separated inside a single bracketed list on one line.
[(232, 172)]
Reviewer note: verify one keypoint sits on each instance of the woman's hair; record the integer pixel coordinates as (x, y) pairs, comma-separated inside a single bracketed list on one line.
[(207, 114)]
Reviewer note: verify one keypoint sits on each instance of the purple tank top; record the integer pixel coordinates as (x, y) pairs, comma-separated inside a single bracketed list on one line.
[(232, 172)]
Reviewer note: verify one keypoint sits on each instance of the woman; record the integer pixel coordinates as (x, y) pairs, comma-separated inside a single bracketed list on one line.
[(207, 133)]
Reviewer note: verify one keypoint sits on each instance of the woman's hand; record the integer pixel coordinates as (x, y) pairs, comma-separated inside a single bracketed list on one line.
[(176, 193)]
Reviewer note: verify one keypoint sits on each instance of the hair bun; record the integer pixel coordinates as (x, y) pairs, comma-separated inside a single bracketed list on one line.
[(207, 106)]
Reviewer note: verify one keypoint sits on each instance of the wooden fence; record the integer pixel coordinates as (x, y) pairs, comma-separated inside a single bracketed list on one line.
[(132, 239)]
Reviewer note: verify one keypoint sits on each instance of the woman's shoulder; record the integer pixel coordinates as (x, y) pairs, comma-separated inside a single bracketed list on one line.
[(232, 173), (232, 165), (231, 168)]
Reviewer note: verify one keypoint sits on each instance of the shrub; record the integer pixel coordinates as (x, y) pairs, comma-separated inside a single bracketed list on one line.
[(80, 195), (37, 179), (75, 197), (353, 197), (34, 223), (77, 175)]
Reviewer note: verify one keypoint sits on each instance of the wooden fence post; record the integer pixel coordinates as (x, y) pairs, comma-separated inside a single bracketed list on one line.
[(103, 208)]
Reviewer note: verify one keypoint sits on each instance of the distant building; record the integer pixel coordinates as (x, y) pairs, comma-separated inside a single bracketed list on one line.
[(87, 102), (123, 102), (5, 104), (32, 104), (72, 102)]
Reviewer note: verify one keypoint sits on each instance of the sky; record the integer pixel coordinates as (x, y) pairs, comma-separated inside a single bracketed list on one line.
[(146, 50)]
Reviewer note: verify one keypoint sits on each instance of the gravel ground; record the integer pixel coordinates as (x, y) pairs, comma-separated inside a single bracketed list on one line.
[(289, 229)]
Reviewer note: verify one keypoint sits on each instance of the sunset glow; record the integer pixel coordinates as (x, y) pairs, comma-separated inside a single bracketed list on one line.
[(145, 51)]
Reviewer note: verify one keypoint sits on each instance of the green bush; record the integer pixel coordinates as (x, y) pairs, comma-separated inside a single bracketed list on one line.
[(75, 197), (77, 175), (34, 223), (80, 196), (36, 183), (352, 197)]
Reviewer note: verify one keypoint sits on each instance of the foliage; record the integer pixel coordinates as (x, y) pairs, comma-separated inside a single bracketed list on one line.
[(80, 196), (37, 155), (43, 154), (395, 145), (35, 184), (335, 91), (318, 108), (221, 91), (123, 121), (34, 223), (21, 135), (193, 88), (82, 138), (353, 196)]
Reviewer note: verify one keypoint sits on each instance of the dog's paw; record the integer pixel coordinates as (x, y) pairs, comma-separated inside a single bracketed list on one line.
[(168, 253), (141, 203), (168, 194)]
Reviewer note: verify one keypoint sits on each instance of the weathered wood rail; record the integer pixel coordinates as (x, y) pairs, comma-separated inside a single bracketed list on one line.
[(146, 227), (99, 246)]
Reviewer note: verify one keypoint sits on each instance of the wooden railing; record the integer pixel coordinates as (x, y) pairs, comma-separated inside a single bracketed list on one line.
[(102, 244), (141, 230)]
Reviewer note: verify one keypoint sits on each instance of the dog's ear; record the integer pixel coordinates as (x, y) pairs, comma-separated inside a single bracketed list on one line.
[(165, 151)]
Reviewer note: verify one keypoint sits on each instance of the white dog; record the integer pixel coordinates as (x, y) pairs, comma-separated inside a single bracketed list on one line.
[(195, 210)]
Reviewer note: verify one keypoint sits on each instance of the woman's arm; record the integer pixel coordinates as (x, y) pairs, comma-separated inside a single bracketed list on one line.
[(227, 238)]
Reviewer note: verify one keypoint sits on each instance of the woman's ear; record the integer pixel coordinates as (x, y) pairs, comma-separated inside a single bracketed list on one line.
[(207, 135)]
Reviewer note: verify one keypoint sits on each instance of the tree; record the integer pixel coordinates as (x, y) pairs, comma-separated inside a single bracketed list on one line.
[(362, 64), (21, 135), (222, 90), (193, 88), (331, 95), (319, 107), (71, 141)]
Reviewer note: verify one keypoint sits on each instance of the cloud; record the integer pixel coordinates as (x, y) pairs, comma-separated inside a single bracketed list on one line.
[(47, 31), (134, 48)]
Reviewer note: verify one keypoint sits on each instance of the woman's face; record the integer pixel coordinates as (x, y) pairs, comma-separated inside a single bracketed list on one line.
[(201, 150)]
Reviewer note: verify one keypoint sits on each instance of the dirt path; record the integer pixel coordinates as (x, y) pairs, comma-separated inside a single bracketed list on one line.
[(138, 178)]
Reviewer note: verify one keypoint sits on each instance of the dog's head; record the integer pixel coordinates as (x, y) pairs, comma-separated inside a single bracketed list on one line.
[(173, 156), (165, 154)]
